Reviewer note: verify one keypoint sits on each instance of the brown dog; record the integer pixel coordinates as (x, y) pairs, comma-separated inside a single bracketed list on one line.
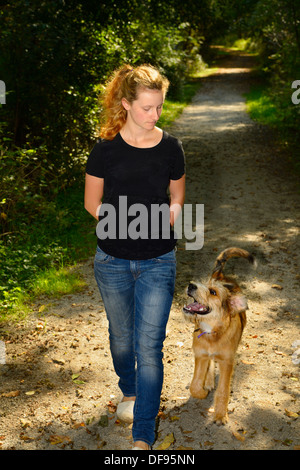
[(218, 312)]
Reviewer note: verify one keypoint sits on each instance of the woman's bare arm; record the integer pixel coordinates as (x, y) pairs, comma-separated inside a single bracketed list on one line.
[(177, 195), (93, 194)]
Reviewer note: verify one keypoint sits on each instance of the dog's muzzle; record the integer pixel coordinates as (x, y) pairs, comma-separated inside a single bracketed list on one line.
[(196, 308)]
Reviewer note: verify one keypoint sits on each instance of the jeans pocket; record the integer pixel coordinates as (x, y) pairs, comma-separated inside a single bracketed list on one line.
[(101, 257)]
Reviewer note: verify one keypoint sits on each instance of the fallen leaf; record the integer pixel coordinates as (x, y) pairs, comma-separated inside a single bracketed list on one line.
[(291, 414), (24, 437), (101, 445), (59, 361), (55, 439), (30, 393), (277, 286), (75, 379), (12, 394), (90, 420), (103, 422), (247, 362), (287, 442), (168, 440), (238, 436), (279, 353), (78, 425), (208, 443), (25, 423), (112, 408), (175, 418)]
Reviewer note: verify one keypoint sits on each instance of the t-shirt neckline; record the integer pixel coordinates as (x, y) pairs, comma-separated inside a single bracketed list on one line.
[(142, 148)]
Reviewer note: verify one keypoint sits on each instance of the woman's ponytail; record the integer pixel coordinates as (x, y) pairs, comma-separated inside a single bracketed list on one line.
[(114, 113)]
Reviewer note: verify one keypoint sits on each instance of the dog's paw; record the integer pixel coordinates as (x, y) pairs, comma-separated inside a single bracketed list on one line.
[(209, 383), (220, 418), (198, 392)]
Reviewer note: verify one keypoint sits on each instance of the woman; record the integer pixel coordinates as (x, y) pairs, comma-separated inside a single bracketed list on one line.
[(137, 163)]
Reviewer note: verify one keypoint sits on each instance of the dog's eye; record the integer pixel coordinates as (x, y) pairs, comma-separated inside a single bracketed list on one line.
[(213, 292)]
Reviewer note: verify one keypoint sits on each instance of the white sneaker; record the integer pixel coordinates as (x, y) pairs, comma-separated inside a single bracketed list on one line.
[(140, 448), (125, 411)]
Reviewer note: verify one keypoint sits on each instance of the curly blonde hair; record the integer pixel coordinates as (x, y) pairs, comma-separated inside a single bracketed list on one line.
[(125, 83)]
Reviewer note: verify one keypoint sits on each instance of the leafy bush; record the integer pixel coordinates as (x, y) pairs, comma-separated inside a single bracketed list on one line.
[(279, 33)]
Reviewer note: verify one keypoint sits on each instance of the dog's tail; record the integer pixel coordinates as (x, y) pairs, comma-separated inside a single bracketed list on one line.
[(226, 255)]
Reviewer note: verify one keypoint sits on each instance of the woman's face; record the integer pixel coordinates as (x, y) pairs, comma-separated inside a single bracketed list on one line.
[(145, 111)]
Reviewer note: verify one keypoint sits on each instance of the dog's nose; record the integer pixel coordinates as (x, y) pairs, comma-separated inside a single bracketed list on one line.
[(191, 287)]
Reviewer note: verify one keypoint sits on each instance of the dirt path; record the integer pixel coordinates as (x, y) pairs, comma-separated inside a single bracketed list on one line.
[(58, 388)]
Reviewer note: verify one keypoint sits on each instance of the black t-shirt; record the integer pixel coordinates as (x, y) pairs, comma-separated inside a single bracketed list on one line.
[(133, 176)]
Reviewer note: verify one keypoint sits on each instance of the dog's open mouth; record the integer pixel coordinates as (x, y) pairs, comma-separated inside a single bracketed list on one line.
[(197, 308)]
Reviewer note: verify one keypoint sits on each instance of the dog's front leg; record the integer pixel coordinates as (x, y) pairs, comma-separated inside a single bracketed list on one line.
[(222, 392), (210, 376), (197, 386)]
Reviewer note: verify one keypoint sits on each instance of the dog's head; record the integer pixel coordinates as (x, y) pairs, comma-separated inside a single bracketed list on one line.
[(214, 302)]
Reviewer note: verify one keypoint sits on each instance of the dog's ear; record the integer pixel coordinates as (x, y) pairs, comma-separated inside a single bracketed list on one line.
[(229, 285), (238, 303)]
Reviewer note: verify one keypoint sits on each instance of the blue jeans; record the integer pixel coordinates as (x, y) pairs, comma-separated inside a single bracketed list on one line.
[(137, 296)]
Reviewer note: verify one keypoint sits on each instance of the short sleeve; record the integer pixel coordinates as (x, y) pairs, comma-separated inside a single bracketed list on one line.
[(95, 162), (178, 167)]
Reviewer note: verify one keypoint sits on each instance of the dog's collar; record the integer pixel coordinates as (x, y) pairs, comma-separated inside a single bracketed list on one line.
[(203, 332), (199, 329)]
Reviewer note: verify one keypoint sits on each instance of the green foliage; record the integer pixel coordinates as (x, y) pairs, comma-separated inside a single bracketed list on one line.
[(50, 232), (272, 29), (57, 282), (173, 108), (277, 24), (261, 107)]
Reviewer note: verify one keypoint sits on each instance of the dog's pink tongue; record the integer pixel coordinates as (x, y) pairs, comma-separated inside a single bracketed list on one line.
[(195, 307)]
